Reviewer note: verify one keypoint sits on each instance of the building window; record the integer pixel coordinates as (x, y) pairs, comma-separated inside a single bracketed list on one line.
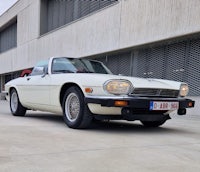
[(8, 36), (56, 13)]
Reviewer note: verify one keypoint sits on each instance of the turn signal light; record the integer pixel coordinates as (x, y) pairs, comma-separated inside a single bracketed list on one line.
[(190, 104), (88, 90), (121, 103)]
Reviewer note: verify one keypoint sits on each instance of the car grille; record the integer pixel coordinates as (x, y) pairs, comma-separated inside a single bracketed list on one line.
[(143, 92)]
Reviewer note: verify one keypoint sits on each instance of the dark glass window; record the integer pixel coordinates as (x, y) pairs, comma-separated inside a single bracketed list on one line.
[(56, 13), (8, 37)]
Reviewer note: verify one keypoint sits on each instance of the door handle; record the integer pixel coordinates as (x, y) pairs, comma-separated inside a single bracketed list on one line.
[(28, 79)]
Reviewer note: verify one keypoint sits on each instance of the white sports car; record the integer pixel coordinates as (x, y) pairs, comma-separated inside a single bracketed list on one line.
[(82, 90)]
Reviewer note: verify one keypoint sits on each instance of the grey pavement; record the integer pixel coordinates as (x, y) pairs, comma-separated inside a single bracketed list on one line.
[(42, 142)]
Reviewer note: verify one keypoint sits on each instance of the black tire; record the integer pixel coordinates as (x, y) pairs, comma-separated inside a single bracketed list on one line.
[(75, 112), (16, 107), (153, 124)]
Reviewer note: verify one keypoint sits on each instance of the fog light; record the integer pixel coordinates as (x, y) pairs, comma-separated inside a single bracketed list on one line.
[(190, 104), (121, 103)]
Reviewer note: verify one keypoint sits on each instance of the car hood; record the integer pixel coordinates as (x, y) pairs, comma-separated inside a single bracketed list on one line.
[(99, 79)]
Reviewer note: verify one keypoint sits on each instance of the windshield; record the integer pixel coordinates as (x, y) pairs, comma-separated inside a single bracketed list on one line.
[(72, 65)]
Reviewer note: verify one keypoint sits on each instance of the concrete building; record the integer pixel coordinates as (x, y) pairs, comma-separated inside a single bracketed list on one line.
[(144, 38)]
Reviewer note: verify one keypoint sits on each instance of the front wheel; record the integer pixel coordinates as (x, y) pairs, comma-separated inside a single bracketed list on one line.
[(153, 123), (75, 112), (15, 105)]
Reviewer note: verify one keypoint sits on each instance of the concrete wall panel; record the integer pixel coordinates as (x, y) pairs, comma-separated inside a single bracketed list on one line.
[(28, 23), (145, 21), (6, 62)]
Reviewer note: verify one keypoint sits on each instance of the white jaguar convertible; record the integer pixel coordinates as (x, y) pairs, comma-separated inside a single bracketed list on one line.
[(82, 90)]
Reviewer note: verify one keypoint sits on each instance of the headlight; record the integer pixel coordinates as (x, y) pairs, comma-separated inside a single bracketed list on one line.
[(184, 89), (118, 87)]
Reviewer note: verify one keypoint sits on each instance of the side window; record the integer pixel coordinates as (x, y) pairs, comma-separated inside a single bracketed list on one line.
[(40, 68)]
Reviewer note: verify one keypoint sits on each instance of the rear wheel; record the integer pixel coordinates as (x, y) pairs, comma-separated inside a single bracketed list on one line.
[(15, 105), (153, 123), (75, 112)]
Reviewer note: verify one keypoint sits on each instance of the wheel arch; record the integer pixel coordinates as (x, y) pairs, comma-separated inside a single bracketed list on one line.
[(19, 109), (65, 87), (11, 88)]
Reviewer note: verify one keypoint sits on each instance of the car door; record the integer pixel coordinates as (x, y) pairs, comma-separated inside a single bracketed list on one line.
[(36, 88)]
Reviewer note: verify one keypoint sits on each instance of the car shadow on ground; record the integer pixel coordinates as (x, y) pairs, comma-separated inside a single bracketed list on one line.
[(113, 126), (133, 127)]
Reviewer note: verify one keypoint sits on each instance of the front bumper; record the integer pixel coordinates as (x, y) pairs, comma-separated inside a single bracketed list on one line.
[(135, 108), (138, 102)]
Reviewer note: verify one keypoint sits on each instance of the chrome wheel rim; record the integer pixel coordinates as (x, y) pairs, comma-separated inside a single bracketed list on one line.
[(14, 101), (72, 107)]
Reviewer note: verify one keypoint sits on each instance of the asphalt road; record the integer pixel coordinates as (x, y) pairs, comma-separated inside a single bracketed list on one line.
[(42, 142)]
